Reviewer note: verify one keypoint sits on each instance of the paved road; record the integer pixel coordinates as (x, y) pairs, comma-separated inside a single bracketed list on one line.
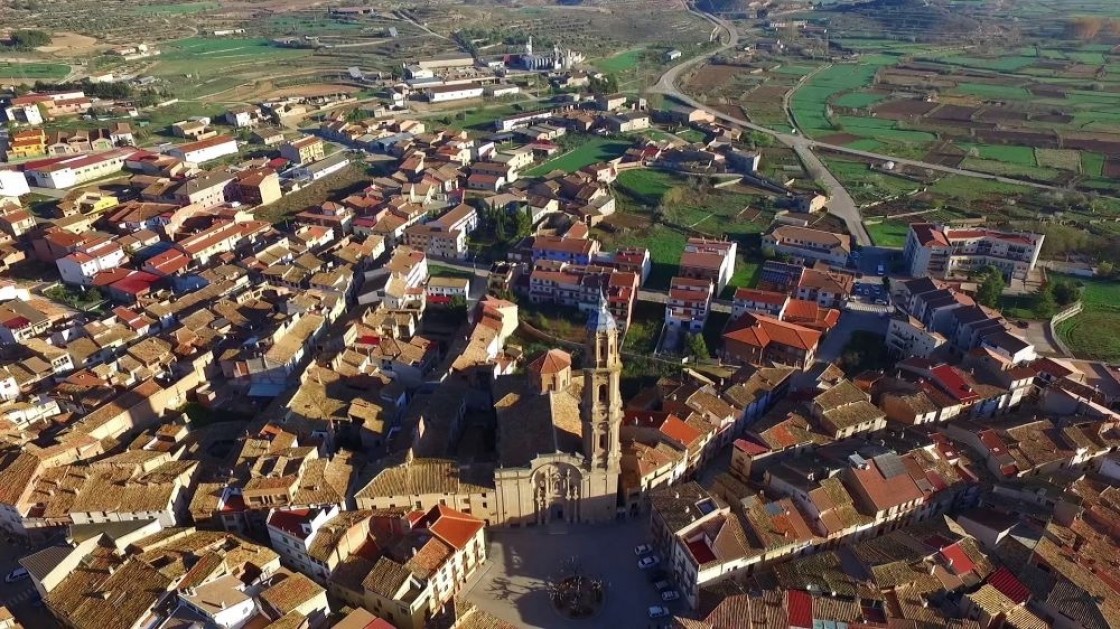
[(840, 203)]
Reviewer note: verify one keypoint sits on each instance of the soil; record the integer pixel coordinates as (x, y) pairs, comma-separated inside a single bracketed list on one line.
[(65, 44), (313, 89)]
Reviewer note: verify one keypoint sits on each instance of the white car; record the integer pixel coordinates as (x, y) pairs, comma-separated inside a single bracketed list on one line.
[(648, 561), (658, 611), (19, 574), (643, 549), (670, 595)]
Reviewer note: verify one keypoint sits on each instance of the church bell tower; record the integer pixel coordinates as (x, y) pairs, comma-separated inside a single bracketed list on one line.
[(601, 410)]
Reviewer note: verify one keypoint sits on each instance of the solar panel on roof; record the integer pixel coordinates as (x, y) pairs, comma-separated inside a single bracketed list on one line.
[(890, 465)]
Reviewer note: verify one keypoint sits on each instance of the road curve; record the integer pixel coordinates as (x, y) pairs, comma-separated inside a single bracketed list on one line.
[(840, 202)]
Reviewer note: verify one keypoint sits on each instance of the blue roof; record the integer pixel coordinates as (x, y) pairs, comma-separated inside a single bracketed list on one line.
[(601, 319)]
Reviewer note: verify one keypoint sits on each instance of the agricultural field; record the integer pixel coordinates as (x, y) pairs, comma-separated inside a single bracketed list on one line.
[(31, 72), (1095, 333), (733, 212), (175, 9), (867, 185)]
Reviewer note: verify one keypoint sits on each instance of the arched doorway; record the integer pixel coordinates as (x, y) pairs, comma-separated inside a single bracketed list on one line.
[(556, 492)]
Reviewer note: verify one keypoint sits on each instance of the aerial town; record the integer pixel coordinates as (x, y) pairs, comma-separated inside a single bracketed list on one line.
[(525, 332)]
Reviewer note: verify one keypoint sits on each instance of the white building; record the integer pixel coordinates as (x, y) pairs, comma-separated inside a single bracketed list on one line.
[(80, 267), (13, 184), (74, 171), (292, 533), (447, 93), (204, 150), (937, 251)]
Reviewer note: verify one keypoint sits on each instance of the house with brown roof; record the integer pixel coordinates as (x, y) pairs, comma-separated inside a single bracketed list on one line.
[(756, 339), (804, 243), (706, 258)]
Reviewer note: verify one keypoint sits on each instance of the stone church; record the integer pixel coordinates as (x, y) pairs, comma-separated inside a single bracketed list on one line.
[(558, 443)]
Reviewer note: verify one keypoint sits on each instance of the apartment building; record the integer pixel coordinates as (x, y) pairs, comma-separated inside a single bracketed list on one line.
[(204, 151), (942, 252), (86, 261), (303, 150), (688, 303), (713, 260), (73, 171)]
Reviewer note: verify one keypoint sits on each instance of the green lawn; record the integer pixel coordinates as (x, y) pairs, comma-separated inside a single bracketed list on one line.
[(665, 248), (889, 233), (1005, 169), (622, 61), (710, 210), (47, 71), (439, 270), (1095, 333), (595, 149), (971, 189), (691, 135)]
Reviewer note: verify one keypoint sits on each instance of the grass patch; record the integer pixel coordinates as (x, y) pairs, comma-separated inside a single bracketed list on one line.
[(621, 62), (1095, 333), (994, 92), (1019, 155), (45, 71), (810, 100), (595, 149), (1092, 164), (1005, 169), (1062, 159), (889, 233), (439, 270), (665, 248), (858, 99), (866, 185), (178, 8), (964, 188), (691, 135)]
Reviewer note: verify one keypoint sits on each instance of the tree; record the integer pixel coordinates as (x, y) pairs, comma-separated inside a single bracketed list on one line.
[(29, 38), (1045, 306), (1105, 269), (991, 287), (698, 347), (1064, 292)]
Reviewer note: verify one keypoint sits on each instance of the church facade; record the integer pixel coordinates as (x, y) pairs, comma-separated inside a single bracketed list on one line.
[(558, 435)]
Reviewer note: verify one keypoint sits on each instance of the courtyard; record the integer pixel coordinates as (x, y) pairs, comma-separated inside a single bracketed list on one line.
[(513, 585)]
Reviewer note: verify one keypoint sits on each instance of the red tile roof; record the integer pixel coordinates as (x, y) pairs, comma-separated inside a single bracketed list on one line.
[(679, 431), (453, 527), (800, 607), (290, 521), (1009, 585), (960, 561)]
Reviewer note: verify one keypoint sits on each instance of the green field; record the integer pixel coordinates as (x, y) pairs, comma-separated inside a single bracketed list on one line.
[(207, 58), (622, 61), (858, 99), (994, 92), (178, 8), (48, 71), (1092, 163), (595, 149), (665, 248), (1006, 169), (1019, 155), (866, 185), (809, 101), (1095, 333), (714, 211), (889, 233)]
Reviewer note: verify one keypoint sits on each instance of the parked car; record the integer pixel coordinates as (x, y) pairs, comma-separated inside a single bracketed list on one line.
[(643, 549), (663, 585), (670, 595), (19, 574), (881, 270), (648, 561), (658, 611)]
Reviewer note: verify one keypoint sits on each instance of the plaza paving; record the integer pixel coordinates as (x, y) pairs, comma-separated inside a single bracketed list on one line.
[(512, 585)]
